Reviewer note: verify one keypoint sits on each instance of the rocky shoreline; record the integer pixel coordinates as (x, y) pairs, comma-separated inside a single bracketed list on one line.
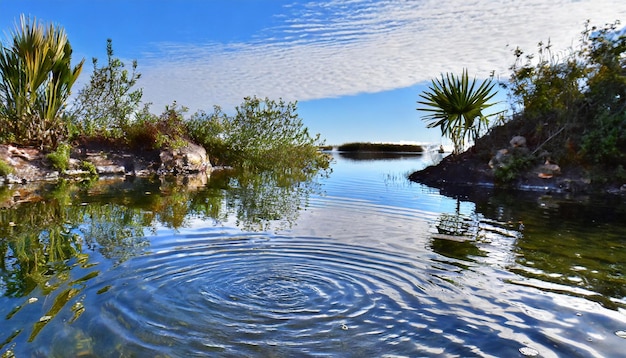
[(31, 165), (470, 172)]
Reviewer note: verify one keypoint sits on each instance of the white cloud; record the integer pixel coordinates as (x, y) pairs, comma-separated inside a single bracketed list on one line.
[(335, 48)]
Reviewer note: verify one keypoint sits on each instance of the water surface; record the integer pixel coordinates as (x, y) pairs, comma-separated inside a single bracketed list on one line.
[(362, 263)]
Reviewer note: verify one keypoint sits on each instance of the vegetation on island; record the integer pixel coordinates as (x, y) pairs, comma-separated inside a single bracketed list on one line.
[(570, 107), (36, 78), (380, 147)]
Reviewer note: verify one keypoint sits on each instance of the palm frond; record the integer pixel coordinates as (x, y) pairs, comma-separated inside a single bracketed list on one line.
[(456, 105)]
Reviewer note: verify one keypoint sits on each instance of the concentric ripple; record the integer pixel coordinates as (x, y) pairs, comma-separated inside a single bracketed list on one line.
[(243, 293), (232, 294)]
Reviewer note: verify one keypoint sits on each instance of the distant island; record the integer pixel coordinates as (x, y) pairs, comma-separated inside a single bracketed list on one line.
[(378, 147)]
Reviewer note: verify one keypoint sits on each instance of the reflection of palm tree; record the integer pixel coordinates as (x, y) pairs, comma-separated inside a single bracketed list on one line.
[(454, 226)]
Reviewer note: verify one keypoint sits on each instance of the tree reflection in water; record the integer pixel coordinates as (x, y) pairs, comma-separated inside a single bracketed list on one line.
[(44, 238)]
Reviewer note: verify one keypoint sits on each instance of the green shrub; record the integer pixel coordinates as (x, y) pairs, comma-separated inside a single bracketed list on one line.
[(89, 167), (36, 80), (149, 131), (207, 129), (60, 158), (515, 164), (5, 168), (263, 135), (104, 107)]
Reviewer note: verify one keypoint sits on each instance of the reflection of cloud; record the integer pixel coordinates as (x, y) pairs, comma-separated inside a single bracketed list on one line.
[(335, 48)]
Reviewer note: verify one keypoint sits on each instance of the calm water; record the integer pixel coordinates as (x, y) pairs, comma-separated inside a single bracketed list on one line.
[(362, 263)]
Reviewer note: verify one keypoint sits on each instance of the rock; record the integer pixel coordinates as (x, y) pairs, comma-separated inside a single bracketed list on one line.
[(191, 158), (499, 159), (518, 141), (550, 168), (110, 169)]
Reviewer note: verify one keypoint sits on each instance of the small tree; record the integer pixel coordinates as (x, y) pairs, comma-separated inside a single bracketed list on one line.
[(456, 106), (35, 82), (106, 105)]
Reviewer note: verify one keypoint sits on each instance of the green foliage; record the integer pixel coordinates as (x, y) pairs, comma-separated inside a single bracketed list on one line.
[(89, 167), (5, 168), (517, 162), (604, 139), (380, 147), (263, 135), (106, 105), (456, 106), (36, 77), (605, 142), (149, 131), (208, 129), (575, 102), (545, 87), (60, 158)]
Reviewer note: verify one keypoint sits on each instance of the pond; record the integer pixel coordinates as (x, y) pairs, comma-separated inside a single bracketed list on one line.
[(358, 263)]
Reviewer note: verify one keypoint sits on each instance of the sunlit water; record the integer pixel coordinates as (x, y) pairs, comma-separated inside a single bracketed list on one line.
[(366, 265)]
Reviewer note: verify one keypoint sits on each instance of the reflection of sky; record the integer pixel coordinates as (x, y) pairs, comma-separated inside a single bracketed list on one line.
[(373, 201)]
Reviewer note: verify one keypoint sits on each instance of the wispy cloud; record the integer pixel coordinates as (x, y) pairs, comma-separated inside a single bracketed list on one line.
[(344, 47)]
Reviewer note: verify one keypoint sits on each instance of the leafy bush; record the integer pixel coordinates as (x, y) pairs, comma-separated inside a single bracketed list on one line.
[(60, 158), (36, 78), (574, 102), (208, 129), (89, 167), (105, 106), (149, 131), (262, 135), (605, 142), (5, 168), (516, 163)]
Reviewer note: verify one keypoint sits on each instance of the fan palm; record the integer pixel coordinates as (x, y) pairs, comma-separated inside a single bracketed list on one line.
[(35, 81), (456, 105)]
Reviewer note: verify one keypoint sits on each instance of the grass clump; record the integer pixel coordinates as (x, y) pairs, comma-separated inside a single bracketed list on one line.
[(89, 167), (5, 168), (60, 158)]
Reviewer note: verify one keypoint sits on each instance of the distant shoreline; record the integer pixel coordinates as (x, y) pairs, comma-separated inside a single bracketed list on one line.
[(377, 147)]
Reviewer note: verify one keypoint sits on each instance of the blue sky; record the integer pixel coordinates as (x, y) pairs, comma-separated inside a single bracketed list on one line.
[(356, 67)]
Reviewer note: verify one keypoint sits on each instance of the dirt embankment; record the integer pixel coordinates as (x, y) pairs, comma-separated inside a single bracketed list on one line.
[(475, 169)]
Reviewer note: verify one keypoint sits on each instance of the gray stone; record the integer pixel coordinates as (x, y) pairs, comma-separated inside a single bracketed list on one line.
[(191, 158)]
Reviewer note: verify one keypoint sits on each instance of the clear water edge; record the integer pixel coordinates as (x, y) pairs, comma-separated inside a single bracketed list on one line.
[(359, 272)]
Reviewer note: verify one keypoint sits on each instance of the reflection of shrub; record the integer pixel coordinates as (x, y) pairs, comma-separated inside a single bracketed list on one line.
[(60, 158), (5, 168)]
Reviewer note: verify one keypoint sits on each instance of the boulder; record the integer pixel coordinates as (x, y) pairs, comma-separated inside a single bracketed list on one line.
[(518, 141), (499, 159), (190, 158)]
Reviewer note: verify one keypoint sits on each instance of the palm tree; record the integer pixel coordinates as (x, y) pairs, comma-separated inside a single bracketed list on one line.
[(36, 77), (456, 106)]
